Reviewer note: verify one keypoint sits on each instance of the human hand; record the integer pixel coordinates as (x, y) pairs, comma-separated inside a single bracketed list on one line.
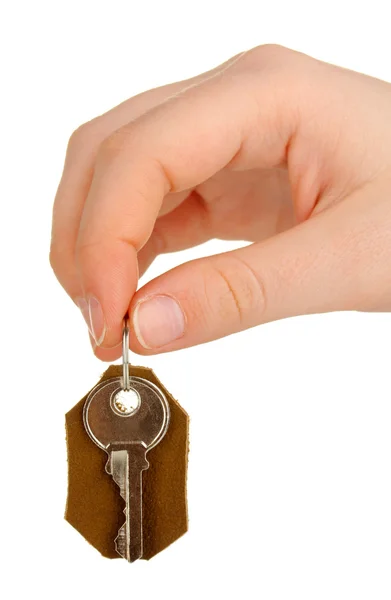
[(273, 147)]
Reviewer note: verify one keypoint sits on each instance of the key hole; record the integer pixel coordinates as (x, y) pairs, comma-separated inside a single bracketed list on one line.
[(125, 402)]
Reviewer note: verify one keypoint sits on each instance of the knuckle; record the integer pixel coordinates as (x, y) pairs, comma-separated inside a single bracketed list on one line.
[(81, 137), (278, 61), (56, 257), (243, 291), (85, 250), (268, 54), (96, 251), (271, 51), (61, 264), (115, 143)]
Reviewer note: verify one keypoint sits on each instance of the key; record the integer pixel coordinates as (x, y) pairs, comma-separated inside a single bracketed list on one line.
[(127, 424)]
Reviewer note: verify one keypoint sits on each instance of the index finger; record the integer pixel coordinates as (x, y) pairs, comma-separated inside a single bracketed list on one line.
[(173, 147)]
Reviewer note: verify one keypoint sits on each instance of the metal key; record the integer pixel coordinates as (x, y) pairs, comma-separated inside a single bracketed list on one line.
[(127, 424)]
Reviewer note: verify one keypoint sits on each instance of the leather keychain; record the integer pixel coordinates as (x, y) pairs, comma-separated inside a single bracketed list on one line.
[(130, 427)]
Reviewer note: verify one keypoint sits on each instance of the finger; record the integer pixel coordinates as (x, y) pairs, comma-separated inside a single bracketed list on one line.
[(76, 179), (173, 147), (186, 226), (325, 264), (233, 205)]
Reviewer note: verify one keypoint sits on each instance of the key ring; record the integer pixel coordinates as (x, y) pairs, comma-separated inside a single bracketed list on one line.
[(125, 356)]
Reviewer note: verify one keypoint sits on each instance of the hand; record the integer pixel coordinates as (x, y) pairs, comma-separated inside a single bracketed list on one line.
[(273, 147)]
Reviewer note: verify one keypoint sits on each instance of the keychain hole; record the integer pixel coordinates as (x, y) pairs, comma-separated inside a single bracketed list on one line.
[(125, 402)]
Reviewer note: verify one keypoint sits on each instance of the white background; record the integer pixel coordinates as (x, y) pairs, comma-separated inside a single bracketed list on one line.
[(290, 463)]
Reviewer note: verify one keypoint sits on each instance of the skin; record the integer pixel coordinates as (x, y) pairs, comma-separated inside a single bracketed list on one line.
[(273, 147)]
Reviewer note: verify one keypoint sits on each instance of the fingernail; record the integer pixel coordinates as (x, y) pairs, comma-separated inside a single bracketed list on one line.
[(93, 316), (85, 311), (97, 320), (158, 321)]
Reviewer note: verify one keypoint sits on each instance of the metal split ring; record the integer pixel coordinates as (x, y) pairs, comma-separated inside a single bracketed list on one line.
[(125, 356)]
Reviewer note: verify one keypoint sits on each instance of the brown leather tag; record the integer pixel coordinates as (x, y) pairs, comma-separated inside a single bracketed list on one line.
[(94, 506)]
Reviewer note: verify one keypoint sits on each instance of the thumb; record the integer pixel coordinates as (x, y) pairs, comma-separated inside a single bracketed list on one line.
[(324, 264)]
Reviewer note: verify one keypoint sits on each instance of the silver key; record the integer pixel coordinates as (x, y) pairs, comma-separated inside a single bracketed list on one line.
[(127, 424)]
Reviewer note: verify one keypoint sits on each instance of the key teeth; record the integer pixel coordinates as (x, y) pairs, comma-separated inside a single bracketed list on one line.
[(120, 541), (121, 549), (122, 492), (134, 463), (118, 483)]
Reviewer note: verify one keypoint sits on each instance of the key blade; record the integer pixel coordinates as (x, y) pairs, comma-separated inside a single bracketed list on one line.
[(120, 472), (126, 464)]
